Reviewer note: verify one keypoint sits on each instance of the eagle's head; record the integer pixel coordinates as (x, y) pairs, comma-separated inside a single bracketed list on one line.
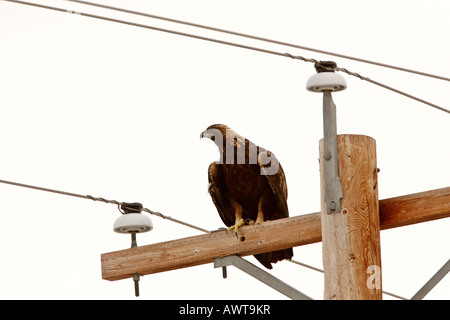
[(213, 132), (224, 138), (217, 133), (235, 149)]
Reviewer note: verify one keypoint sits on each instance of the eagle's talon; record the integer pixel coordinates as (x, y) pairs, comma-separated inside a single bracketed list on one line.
[(259, 221), (238, 224), (249, 222)]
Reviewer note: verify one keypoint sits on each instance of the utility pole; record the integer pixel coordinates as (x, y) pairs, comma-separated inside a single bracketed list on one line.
[(351, 237), (348, 225), (349, 206)]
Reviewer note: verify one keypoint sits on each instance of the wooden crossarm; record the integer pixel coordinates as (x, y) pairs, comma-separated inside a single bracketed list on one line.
[(268, 236)]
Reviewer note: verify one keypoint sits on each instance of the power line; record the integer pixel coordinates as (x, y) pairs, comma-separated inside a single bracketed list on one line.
[(118, 203), (134, 24), (392, 89), (357, 75), (321, 271), (261, 39), (231, 44)]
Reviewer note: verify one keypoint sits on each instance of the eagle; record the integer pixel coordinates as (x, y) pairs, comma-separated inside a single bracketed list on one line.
[(247, 185)]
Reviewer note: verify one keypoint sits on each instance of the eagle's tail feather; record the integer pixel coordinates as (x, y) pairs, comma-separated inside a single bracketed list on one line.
[(268, 258)]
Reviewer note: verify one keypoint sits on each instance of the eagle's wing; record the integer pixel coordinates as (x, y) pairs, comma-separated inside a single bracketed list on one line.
[(274, 174), (220, 200)]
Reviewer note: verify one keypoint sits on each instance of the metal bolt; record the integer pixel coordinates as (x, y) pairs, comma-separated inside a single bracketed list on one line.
[(133, 239), (136, 283)]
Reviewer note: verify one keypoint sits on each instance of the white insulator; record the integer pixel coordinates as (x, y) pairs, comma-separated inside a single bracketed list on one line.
[(132, 222), (326, 81)]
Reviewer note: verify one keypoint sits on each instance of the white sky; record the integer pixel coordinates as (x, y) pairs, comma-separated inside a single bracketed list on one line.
[(115, 111)]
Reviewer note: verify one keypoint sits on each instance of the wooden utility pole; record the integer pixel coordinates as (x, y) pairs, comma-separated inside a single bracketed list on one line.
[(351, 237)]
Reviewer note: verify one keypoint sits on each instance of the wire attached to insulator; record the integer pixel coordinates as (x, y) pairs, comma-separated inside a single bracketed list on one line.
[(118, 203)]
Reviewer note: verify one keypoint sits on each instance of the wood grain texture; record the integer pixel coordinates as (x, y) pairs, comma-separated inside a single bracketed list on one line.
[(187, 252), (415, 208), (351, 238), (283, 233)]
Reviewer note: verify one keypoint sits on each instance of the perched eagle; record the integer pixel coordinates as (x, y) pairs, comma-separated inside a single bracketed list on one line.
[(247, 185)]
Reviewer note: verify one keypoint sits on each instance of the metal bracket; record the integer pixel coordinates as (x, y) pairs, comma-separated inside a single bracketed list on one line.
[(333, 187), (261, 275)]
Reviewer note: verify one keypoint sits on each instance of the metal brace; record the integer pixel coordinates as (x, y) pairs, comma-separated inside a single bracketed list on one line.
[(261, 275), (438, 276), (333, 187)]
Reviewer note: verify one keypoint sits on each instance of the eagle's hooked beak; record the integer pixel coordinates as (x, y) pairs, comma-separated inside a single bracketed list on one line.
[(207, 134)]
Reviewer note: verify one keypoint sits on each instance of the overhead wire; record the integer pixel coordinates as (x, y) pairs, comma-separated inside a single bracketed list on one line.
[(134, 24), (89, 197), (354, 74), (216, 41), (321, 271), (243, 46), (245, 35)]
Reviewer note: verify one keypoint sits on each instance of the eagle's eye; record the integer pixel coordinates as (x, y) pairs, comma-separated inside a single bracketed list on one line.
[(213, 138)]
